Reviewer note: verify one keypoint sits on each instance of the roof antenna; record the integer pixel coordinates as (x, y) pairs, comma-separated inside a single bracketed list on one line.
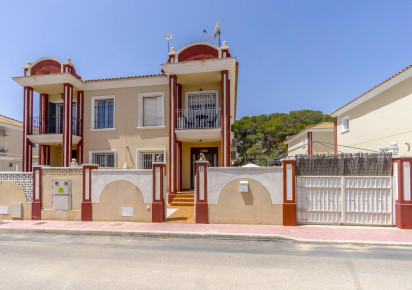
[(168, 38), (216, 33)]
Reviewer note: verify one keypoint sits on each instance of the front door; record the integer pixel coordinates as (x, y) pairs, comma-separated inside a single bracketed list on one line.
[(211, 156)]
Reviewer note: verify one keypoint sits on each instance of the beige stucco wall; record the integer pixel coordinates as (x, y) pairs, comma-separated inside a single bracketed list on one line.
[(295, 146), (13, 143), (186, 159), (325, 136), (253, 207), (11, 193), (126, 138), (383, 119), (76, 179), (116, 195)]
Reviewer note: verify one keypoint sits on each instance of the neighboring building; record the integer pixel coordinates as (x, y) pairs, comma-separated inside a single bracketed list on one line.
[(316, 139), (134, 121), (378, 120), (11, 136)]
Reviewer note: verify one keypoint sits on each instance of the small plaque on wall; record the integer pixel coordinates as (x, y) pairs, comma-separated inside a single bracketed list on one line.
[(127, 211)]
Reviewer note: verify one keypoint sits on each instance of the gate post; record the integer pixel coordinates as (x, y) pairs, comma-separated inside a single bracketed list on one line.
[(201, 210), (86, 214), (289, 188), (37, 189), (158, 205), (402, 187)]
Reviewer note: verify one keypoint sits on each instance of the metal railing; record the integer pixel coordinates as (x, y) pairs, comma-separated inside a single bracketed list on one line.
[(198, 118), (53, 125)]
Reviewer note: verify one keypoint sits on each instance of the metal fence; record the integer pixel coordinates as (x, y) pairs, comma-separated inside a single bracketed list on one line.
[(357, 164)]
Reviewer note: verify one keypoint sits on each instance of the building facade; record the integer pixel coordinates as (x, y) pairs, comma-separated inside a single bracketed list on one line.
[(11, 136), (132, 122), (378, 120)]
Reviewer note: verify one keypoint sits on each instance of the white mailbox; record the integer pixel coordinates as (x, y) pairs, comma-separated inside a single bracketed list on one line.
[(61, 194), (244, 186)]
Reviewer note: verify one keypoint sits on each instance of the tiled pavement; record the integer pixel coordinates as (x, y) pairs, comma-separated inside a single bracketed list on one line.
[(319, 234)]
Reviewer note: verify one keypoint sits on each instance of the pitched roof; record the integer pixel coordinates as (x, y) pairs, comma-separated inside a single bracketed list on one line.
[(359, 99), (124, 78), (10, 121), (323, 125)]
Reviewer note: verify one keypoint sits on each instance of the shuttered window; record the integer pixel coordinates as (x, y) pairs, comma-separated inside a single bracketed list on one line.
[(151, 110)]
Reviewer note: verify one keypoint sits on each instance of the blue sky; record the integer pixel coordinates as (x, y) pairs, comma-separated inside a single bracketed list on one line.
[(293, 55)]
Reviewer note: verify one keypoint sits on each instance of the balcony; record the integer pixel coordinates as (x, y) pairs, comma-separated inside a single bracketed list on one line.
[(198, 124), (49, 130)]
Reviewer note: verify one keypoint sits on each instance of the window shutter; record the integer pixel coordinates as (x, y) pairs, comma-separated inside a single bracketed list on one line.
[(150, 117)]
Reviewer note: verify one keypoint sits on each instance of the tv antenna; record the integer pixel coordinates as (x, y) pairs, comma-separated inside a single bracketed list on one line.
[(216, 33), (168, 38)]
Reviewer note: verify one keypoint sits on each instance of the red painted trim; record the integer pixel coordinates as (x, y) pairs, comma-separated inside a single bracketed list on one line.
[(287, 150), (222, 117), (172, 136), (227, 122), (335, 131), (86, 214), (179, 167), (158, 205), (310, 146), (47, 66), (202, 210), (198, 52), (179, 97), (27, 128), (289, 206), (67, 124), (37, 203)]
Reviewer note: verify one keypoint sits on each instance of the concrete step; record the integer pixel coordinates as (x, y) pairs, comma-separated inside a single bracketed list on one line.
[(182, 203), (184, 199)]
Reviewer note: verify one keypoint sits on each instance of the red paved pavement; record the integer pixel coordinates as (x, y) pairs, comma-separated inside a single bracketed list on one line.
[(352, 234)]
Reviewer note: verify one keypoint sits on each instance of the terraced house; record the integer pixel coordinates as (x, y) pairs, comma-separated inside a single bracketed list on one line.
[(131, 122)]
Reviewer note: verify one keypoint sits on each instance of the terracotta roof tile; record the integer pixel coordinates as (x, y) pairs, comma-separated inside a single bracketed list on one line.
[(10, 121), (378, 85), (125, 78)]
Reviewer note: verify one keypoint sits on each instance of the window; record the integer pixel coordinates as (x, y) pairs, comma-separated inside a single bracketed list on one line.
[(303, 142), (3, 140), (145, 158), (345, 124), (103, 112), (103, 159), (151, 110)]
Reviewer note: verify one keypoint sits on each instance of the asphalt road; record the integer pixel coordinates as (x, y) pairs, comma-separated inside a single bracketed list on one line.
[(46, 261)]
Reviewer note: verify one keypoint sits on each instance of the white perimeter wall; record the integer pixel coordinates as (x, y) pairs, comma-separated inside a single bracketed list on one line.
[(143, 179), (270, 177)]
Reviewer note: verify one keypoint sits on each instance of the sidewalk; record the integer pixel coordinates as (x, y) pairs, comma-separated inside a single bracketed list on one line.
[(308, 234)]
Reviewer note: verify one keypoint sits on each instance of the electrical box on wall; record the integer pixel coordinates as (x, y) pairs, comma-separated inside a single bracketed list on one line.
[(61, 194), (15, 210), (244, 186)]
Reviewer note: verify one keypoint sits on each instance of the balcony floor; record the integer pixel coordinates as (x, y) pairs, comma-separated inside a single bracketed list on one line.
[(51, 139), (210, 135)]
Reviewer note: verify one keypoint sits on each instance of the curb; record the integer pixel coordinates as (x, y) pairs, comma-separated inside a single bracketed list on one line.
[(200, 235)]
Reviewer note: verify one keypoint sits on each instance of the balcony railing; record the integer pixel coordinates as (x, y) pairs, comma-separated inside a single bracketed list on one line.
[(52, 125), (198, 119)]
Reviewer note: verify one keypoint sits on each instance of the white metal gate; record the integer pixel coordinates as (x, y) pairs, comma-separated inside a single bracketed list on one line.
[(345, 200)]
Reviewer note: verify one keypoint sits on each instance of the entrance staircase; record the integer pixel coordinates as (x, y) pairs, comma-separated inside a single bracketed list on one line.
[(185, 198)]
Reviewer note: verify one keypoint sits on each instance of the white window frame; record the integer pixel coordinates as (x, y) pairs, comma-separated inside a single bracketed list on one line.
[(304, 142), (91, 152), (343, 127), (201, 92), (161, 97), (92, 112), (152, 151), (5, 141)]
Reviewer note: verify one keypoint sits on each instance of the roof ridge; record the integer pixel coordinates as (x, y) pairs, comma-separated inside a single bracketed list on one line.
[(127, 77), (371, 89)]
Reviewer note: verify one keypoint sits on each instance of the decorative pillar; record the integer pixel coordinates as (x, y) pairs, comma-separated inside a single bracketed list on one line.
[(87, 189), (27, 128), (287, 150), (44, 150), (201, 210), (37, 196), (172, 55), (225, 50), (79, 125), (179, 143), (335, 132), (159, 190), (289, 188), (225, 119), (67, 124), (172, 137), (402, 190), (310, 146)]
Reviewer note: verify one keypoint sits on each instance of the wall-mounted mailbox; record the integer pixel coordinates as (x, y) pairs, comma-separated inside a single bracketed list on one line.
[(244, 186), (61, 194)]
